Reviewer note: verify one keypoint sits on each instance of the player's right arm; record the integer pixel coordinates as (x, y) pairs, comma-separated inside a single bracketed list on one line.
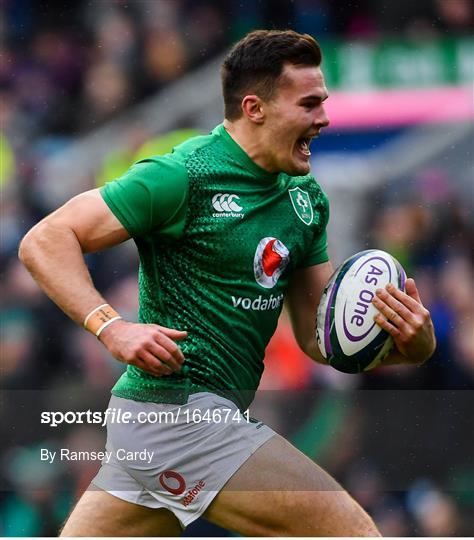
[(53, 252), (302, 300)]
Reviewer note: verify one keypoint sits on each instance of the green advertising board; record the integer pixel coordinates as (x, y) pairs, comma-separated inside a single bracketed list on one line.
[(361, 65)]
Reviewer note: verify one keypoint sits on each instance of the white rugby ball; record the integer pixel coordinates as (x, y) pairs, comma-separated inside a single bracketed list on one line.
[(347, 335)]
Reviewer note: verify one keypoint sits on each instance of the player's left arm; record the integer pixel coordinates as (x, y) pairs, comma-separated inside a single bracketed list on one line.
[(404, 317), (302, 300)]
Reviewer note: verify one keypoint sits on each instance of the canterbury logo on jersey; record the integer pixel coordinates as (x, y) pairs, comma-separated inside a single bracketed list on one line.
[(226, 205)]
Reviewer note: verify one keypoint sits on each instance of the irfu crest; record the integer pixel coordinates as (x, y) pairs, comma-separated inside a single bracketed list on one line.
[(302, 205)]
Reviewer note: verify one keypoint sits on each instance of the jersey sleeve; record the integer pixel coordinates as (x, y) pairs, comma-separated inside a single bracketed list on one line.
[(318, 251), (150, 197)]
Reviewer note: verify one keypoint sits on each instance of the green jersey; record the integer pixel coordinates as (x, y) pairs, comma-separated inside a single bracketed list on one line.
[(218, 239)]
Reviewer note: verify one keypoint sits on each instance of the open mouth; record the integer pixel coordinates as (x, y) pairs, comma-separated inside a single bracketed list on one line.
[(303, 145)]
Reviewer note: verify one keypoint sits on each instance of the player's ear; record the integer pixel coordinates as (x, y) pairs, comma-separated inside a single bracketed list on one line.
[(252, 108)]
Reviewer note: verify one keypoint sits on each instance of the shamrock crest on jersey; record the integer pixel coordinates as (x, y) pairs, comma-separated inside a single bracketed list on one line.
[(301, 205)]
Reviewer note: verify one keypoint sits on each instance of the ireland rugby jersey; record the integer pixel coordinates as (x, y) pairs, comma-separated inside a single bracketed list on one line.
[(218, 239)]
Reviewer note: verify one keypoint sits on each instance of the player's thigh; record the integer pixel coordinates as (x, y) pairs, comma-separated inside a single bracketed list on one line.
[(279, 491), (99, 513)]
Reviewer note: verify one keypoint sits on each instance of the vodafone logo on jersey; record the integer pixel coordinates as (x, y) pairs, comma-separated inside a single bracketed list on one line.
[(271, 258)]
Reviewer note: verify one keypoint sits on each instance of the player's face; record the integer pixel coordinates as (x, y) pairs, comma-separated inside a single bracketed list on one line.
[(293, 117)]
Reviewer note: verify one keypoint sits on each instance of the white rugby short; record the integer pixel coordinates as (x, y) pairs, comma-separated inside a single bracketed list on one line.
[(176, 456)]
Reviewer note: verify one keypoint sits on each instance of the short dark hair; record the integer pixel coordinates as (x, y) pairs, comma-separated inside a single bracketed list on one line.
[(255, 63)]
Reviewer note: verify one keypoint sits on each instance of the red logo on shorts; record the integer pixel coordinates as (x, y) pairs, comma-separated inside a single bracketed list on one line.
[(192, 493), (174, 489)]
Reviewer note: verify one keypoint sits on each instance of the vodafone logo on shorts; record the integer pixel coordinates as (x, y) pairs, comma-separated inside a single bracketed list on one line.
[(176, 485), (193, 493), (271, 258), (172, 482)]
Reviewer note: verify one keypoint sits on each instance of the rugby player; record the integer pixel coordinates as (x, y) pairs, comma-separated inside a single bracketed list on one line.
[(226, 226)]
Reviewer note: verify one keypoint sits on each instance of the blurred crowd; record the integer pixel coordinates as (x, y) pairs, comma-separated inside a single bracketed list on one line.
[(66, 69)]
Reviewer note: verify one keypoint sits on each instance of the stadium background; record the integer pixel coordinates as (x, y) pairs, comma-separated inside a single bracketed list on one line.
[(86, 88)]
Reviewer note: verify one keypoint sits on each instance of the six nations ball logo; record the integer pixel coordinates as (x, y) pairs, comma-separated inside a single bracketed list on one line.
[(271, 259)]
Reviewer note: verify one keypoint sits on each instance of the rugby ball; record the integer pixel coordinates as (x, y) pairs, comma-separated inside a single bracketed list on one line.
[(347, 335)]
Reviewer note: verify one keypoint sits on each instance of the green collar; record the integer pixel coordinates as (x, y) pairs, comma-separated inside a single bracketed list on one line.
[(242, 157)]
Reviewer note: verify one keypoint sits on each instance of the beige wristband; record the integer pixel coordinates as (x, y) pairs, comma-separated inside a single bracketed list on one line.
[(99, 318)]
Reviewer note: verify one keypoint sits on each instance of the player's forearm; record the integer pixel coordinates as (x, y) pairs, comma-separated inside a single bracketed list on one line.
[(312, 350), (53, 256), (396, 357)]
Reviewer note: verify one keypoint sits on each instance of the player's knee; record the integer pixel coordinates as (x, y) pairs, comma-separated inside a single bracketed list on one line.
[(65, 532), (357, 522), (324, 514), (367, 527), (74, 528)]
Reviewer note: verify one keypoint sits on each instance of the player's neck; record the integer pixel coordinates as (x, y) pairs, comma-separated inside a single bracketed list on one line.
[(251, 142)]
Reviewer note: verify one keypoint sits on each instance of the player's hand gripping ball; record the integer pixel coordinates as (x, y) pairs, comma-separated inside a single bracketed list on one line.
[(347, 335)]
